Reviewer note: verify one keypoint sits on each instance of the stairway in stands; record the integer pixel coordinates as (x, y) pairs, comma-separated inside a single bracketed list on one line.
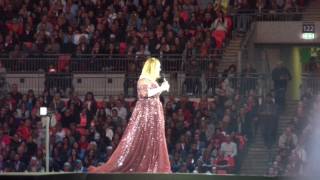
[(312, 11), (230, 54), (258, 158)]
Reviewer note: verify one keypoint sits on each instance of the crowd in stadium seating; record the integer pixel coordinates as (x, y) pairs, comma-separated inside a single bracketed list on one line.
[(208, 136), (111, 27), (297, 141), (140, 27)]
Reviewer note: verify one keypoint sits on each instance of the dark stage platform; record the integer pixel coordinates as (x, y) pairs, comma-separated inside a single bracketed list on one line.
[(136, 176)]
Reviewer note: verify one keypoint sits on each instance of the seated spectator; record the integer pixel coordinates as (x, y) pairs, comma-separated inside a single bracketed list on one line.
[(229, 148), (67, 167), (53, 47), (288, 140), (206, 161), (223, 164), (57, 105), (34, 165)]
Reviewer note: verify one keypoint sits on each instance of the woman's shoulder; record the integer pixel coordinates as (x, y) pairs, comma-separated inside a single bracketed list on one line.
[(147, 82), (144, 81)]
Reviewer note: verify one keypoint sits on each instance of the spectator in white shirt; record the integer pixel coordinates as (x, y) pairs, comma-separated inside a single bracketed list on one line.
[(122, 111), (60, 134), (301, 156), (288, 140), (228, 148)]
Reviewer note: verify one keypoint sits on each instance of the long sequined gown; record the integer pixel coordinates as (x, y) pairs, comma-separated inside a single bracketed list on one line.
[(143, 146)]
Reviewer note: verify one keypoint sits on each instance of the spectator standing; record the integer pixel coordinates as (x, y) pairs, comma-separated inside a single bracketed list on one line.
[(249, 79), (269, 118), (280, 76), (192, 82), (211, 75), (90, 106)]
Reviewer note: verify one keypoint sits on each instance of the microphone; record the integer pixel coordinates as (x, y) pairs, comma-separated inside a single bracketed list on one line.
[(163, 79)]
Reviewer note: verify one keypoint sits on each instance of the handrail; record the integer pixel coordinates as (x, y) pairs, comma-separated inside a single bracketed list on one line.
[(267, 15), (249, 34), (213, 52), (107, 62), (299, 10), (183, 83)]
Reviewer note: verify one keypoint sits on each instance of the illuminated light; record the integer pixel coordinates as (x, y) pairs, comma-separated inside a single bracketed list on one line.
[(52, 70), (308, 36), (43, 111)]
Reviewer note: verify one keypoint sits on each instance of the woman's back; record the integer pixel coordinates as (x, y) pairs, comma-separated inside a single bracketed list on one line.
[(142, 88)]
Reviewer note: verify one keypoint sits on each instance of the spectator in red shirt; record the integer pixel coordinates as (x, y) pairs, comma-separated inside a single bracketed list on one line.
[(24, 130)]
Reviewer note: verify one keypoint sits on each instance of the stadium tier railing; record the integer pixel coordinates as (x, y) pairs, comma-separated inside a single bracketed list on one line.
[(103, 85), (104, 62)]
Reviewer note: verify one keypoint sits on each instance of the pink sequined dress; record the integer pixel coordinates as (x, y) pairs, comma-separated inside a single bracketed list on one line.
[(143, 146)]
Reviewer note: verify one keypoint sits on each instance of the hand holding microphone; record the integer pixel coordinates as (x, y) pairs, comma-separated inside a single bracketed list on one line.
[(165, 85)]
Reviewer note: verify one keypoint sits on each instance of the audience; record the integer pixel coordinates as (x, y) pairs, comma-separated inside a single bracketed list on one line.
[(298, 141), (122, 27), (207, 136), (202, 136), (86, 29)]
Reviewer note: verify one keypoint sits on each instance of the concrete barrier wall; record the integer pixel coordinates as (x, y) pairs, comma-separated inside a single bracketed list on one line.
[(283, 32)]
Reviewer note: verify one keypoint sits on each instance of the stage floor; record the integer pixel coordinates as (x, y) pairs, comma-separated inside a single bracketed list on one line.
[(135, 176)]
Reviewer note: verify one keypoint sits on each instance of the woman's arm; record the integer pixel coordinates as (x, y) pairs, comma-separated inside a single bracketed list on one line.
[(164, 87), (145, 91), (154, 91)]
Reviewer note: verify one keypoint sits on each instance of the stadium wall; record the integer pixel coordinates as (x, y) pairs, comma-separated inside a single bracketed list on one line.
[(283, 32)]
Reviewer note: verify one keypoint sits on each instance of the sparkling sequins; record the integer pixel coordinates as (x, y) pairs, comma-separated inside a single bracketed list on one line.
[(143, 146)]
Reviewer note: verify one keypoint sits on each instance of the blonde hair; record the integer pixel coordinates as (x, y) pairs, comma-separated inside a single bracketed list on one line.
[(149, 69)]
